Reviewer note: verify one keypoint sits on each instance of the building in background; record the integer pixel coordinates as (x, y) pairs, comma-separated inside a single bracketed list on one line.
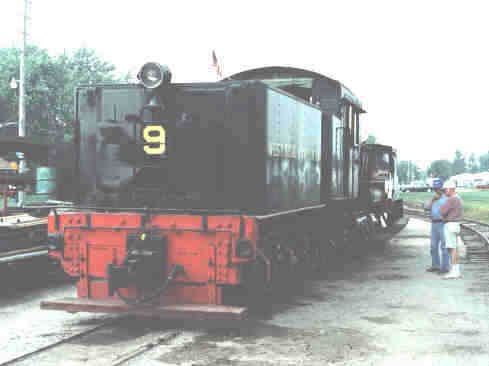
[(471, 180)]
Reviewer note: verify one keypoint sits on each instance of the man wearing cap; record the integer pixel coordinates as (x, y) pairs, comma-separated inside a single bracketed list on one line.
[(437, 235), (453, 213)]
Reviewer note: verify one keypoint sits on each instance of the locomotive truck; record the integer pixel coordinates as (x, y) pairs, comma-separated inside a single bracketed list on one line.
[(193, 195)]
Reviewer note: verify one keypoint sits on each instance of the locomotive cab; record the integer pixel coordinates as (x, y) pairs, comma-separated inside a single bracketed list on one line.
[(379, 184)]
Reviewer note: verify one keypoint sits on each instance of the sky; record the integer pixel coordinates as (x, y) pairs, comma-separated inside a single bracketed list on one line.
[(420, 68)]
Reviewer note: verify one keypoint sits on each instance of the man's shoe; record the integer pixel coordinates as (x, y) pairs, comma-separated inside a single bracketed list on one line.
[(432, 269), (443, 271), (452, 274)]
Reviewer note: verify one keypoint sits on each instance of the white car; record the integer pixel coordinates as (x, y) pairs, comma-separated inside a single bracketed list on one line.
[(416, 187)]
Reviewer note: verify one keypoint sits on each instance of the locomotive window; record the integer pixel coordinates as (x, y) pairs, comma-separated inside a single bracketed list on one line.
[(351, 117), (338, 156), (356, 122), (365, 162), (383, 160), (351, 122)]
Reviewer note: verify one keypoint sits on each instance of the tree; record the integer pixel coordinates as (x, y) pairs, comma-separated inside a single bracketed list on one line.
[(402, 171), (418, 173), (9, 67), (472, 165), (37, 90), (484, 162), (407, 171), (440, 168), (459, 165), (4, 106), (50, 83), (370, 139)]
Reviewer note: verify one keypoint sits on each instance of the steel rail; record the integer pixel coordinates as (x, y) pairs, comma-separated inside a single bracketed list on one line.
[(22, 254), (466, 224), (478, 233), (145, 347), (422, 213), (58, 343), (119, 360)]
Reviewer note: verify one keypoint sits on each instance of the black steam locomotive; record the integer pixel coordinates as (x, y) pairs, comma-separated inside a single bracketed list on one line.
[(191, 192)]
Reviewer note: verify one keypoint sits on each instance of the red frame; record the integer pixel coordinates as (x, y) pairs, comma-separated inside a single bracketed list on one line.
[(206, 250)]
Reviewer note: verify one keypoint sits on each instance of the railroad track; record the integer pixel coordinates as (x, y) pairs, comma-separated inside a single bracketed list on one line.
[(23, 254), (475, 235), (38, 351), (77, 345)]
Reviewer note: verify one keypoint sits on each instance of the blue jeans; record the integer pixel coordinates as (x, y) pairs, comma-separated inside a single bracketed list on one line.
[(437, 245)]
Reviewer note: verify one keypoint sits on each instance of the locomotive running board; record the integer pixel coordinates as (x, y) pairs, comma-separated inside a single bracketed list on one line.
[(180, 311)]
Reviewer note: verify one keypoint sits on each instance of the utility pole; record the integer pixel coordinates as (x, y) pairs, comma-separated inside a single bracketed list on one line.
[(22, 94)]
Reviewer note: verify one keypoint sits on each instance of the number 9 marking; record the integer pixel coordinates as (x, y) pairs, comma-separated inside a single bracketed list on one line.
[(158, 137)]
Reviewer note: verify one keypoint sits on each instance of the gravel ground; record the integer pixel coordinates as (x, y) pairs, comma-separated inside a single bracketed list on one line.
[(381, 308)]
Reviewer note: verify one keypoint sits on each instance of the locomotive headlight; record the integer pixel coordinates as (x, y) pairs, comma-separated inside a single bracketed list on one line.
[(376, 194), (152, 75)]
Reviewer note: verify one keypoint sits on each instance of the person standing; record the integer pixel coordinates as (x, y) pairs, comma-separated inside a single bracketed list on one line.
[(437, 235), (453, 213)]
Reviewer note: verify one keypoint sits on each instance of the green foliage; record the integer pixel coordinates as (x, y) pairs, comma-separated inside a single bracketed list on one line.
[(407, 171), (9, 67), (402, 169), (440, 168), (472, 167), (459, 165), (49, 85), (418, 173), (484, 162), (371, 139)]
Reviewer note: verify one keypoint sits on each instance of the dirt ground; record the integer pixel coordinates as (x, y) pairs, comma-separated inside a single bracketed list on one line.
[(379, 308)]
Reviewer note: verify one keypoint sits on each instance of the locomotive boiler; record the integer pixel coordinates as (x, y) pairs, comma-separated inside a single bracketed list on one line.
[(195, 196)]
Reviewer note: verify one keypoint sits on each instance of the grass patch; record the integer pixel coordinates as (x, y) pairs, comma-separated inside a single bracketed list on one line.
[(476, 202)]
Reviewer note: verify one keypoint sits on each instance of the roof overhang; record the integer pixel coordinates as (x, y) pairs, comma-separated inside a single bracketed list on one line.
[(32, 150)]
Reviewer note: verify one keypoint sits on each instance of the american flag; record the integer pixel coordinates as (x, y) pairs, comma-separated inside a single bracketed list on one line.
[(215, 64)]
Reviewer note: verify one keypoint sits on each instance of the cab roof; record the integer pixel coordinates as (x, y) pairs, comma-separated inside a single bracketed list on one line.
[(299, 82)]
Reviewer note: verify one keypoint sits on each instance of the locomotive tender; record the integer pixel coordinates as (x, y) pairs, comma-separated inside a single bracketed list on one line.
[(194, 195)]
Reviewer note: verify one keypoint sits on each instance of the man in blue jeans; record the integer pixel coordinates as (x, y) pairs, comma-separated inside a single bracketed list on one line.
[(437, 236)]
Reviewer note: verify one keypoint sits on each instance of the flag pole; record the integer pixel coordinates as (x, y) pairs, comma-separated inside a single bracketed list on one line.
[(216, 66)]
